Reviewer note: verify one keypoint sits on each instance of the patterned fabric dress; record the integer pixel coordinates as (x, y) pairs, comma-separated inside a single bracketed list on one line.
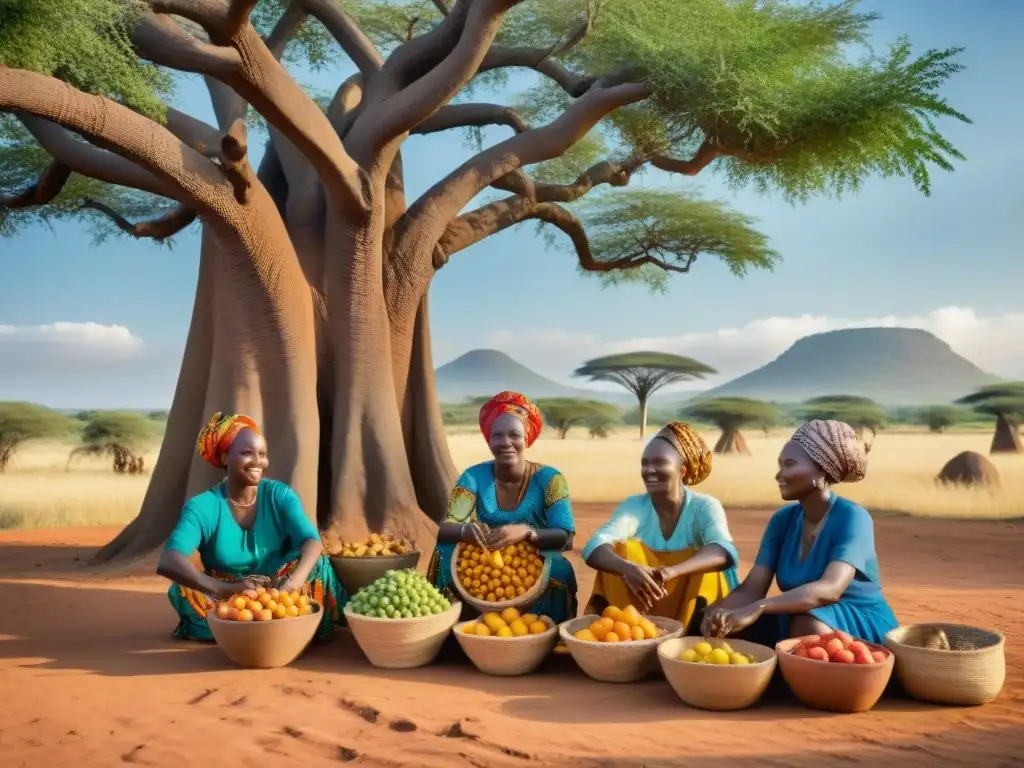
[(230, 553), (544, 504)]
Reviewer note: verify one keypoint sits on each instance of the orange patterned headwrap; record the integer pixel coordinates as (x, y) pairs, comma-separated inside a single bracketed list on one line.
[(696, 464), (512, 402), (216, 437)]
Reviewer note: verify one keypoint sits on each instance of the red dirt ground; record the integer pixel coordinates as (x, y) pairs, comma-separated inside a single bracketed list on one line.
[(90, 677)]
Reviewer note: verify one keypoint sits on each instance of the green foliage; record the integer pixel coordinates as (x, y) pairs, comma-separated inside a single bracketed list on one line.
[(629, 225), (21, 422), (734, 413), (643, 373), (564, 413), (389, 23), (940, 417), (157, 415), (310, 45), (116, 433), (859, 412), (86, 43), (1005, 399)]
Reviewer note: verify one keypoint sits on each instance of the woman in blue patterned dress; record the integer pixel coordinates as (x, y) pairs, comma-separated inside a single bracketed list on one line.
[(517, 500)]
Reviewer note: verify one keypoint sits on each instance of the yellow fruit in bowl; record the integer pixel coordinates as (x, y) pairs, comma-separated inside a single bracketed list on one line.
[(504, 632), (739, 658), (586, 635), (519, 628), (703, 648), (718, 656), (483, 630), (509, 615), (470, 628), (493, 621), (538, 627), (529, 618), (688, 655)]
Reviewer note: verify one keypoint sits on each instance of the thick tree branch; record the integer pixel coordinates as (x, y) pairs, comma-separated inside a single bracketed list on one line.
[(539, 60), (610, 172), (44, 190), (165, 42), (343, 28), (200, 136), (96, 163), (442, 7), (403, 111), (468, 115), (704, 156), (291, 20), (131, 135), (159, 228)]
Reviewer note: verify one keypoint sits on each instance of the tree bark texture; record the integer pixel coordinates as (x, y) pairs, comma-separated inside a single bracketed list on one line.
[(1007, 437), (731, 441)]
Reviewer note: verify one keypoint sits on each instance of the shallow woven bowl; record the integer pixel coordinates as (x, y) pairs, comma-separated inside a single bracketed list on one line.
[(527, 599), (834, 687), (354, 573), (507, 656), (972, 672), (624, 662), (718, 688), (265, 644), (402, 643)]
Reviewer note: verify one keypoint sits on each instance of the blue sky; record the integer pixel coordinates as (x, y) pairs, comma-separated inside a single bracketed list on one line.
[(949, 263)]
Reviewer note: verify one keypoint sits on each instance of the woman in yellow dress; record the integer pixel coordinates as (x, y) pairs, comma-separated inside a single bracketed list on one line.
[(668, 552)]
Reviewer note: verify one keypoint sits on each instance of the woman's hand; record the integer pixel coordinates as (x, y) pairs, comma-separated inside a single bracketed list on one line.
[(289, 585), (643, 585), (719, 622), (506, 535), (225, 590)]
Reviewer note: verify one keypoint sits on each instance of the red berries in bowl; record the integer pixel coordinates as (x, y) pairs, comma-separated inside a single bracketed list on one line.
[(838, 648)]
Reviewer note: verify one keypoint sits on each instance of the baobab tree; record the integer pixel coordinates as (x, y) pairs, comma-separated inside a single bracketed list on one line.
[(730, 415), (1005, 401), (311, 303)]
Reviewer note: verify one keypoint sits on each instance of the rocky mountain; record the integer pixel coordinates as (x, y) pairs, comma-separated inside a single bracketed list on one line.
[(893, 366)]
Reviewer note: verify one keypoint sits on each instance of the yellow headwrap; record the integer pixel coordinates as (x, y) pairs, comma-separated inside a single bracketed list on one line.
[(216, 437), (696, 464)]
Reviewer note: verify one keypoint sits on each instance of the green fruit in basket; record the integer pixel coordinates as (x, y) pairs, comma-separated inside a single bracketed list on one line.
[(399, 595)]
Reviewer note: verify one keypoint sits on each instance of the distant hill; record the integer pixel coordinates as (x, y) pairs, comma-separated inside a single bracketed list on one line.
[(893, 366), (488, 371)]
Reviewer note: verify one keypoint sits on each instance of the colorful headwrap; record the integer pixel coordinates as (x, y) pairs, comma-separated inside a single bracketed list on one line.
[(696, 464), (216, 437), (835, 447), (512, 402)]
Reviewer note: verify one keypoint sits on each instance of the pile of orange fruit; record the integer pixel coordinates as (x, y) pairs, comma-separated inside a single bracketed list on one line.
[(619, 625), (374, 545), (508, 623), (263, 604), (499, 575)]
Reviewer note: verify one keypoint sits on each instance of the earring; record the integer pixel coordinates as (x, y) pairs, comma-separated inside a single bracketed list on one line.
[(817, 483)]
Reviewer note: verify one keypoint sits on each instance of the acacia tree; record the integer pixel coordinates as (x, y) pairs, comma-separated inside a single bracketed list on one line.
[(564, 413), (939, 417), (1005, 401), (643, 374), (21, 422), (119, 435), (311, 303), (731, 414), (861, 413)]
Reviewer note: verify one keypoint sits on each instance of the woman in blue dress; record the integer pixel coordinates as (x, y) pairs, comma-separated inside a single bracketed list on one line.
[(819, 549), (517, 500)]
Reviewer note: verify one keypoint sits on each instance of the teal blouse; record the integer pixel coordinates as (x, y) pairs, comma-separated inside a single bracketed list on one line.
[(280, 529)]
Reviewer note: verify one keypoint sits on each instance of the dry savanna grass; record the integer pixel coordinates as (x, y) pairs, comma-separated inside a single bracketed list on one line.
[(37, 492)]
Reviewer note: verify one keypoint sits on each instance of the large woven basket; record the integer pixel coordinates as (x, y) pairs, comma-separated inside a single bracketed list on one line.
[(402, 643), (624, 662), (525, 600), (507, 656), (834, 687), (265, 644), (713, 687), (971, 672), (354, 573)]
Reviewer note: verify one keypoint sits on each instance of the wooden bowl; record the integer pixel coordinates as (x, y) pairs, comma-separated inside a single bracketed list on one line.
[(265, 644), (834, 687), (354, 573), (713, 687), (624, 662), (507, 656), (402, 643)]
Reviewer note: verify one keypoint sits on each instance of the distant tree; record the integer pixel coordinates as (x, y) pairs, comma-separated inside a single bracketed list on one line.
[(1005, 401), (939, 417), (643, 374), (85, 416), (731, 414), (157, 415), (21, 422), (599, 430), (120, 435), (861, 413), (564, 413)]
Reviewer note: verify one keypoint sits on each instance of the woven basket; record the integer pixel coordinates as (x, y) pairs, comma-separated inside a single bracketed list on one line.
[(972, 672), (525, 600), (624, 662), (834, 687), (354, 573), (507, 656), (264, 644), (402, 643), (713, 687)]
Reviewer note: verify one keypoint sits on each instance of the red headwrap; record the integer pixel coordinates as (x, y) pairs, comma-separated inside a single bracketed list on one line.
[(512, 402)]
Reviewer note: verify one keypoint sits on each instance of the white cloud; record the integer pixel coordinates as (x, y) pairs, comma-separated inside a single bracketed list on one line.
[(993, 343), (63, 337)]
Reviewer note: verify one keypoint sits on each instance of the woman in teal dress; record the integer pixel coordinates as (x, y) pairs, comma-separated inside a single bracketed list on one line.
[(244, 528), (819, 549), (516, 500)]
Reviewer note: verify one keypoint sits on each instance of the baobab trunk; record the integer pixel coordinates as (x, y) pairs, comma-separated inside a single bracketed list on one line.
[(732, 441), (1006, 438)]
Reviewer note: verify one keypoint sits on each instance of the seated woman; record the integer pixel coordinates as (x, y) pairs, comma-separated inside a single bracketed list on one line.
[(243, 527), (516, 500), (820, 550), (668, 551)]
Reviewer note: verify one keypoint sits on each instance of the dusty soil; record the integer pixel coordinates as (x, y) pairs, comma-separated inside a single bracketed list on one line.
[(90, 677)]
